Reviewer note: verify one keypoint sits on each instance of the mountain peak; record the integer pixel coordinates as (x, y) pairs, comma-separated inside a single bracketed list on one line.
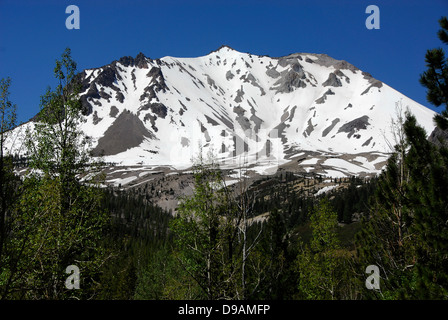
[(303, 105), (139, 61), (222, 48)]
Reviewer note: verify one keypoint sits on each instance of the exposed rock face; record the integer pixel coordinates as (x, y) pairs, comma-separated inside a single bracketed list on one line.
[(140, 61), (113, 111), (157, 108), (289, 82), (332, 81), (367, 142), (242, 120), (308, 129), (439, 137), (127, 132), (156, 84), (328, 129), (324, 97), (286, 105), (374, 83), (327, 61), (355, 125), (229, 75), (239, 95), (271, 72), (251, 79)]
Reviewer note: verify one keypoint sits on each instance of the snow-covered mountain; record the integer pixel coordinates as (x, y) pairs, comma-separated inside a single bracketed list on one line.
[(308, 112)]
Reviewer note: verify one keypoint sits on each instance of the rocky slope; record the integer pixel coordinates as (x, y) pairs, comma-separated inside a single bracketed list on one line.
[(302, 112)]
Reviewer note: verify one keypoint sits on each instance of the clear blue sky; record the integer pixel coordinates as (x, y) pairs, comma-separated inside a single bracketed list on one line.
[(33, 35)]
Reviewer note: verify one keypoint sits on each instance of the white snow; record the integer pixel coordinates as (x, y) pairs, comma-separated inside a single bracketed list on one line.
[(201, 86), (324, 190)]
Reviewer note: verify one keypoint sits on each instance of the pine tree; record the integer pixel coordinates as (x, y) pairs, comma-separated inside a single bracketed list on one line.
[(407, 235), (8, 183), (428, 189), (7, 122), (435, 78)]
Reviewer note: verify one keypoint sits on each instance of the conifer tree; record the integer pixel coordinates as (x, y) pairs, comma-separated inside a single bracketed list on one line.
[(407, 234), (435, 78), (428, 190), (7, 187)]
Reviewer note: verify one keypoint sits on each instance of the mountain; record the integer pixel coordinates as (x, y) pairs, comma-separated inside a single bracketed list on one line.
[(304, 112)]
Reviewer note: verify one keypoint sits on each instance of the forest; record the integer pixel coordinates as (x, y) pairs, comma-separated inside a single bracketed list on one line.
[(275, 239)]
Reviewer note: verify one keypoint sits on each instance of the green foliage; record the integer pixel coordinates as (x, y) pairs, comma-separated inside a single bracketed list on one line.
[(57, 221), (7, 179), (138, 232), (45, 241), (212, 249), (435, 78), (163, 278), (57, 145), (406, 234), (428, 189), (204, 233), (321, 264), (8, 110), (324, 224)]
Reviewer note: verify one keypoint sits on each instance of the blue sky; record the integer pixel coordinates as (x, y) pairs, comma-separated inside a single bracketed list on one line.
[(33, 35)]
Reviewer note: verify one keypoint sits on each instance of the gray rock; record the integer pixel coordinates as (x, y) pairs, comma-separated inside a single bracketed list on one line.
[(367, 142), (242, 120), (355, 125), (439, 137), (340, 74), (119, 96), (324, 96), (185, 142), (157, 108), (211, 121), (239, 95), (308, 129), (329, 128), (255, 120), (211, 82), (251, 79), (229, 75), (127, 131), (374, 83), (271, 72), (289, 81), (332, 81), (327, 61), (95, 118), (140, 61), (113, 111), (205, 132)]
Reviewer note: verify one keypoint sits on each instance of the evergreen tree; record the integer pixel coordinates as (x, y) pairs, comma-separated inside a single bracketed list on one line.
[(277, 260), (8, 183), (428, 189), (7, 122), (435, 78), (407, 235)]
